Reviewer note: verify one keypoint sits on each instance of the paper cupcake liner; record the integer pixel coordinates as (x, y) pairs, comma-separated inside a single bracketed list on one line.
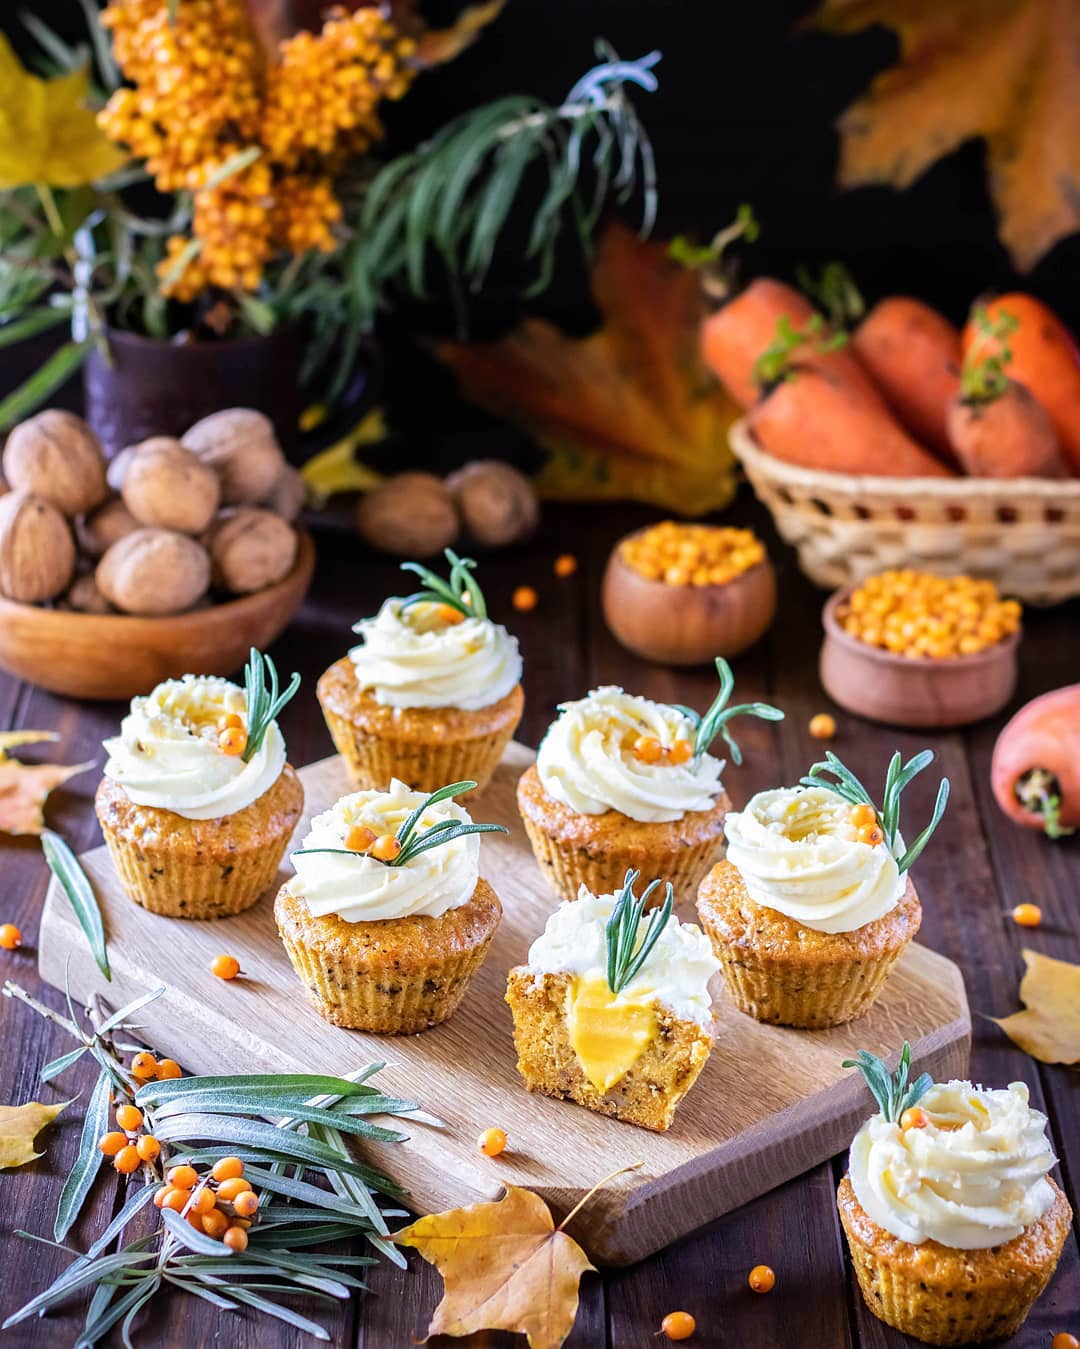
[(568, 868), (176, 886), (983, 1310), (372, 760)]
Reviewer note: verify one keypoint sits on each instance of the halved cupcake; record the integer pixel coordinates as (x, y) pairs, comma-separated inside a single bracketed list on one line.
[(198, 804), (387, 918), (813, 905), (953, 1223), (623, 782), (433, 692), (613, 1011)]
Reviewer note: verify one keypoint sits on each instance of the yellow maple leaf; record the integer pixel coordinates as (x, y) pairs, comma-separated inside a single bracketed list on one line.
[(24, 788), (505, 1266), (19, 1126), (1049, 1027), (48, 134), (1004, 70)]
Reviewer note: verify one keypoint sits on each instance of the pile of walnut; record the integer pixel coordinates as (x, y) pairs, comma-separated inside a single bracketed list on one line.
[(154, 530)]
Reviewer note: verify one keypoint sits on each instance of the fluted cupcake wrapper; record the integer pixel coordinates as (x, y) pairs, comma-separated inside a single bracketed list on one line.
[(177, 886), (373, 759), (568, 868)]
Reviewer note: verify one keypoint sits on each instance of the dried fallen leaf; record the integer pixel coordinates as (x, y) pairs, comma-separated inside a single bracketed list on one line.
[(24, 788), (1049, 1027), (19, 1126), (505, 1266), (1001, 69), (627, 412)]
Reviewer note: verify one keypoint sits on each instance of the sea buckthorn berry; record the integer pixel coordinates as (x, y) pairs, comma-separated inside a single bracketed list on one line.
[(491, 1142), (215, 1223), (920, 615), (148, 1148), (110, 1144), (229, 1188), (914, 1117), (168, 1068), (1027, 915), (682, 751), (360, 838), (678, 1325), (203, 1200), (175, 1198), (184, 1177), (648, 749), (565, 564), (144, 1066), (762, 1279), (386, 848), (194, 1218), (236, 1238), (449, 615), (231, 721), (243, 1223), (129, 1118), (127, 1160), (233, 740), (862, 814), (246, 1204), (870, 834), (1063, 1340), (225, 967), (160, 1196), (691, 555), (10, 936), (524, 598), (822, 726), (227, 1168)]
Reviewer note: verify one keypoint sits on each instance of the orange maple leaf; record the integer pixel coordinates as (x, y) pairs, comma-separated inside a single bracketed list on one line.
[(627, 412), (1049, 1026), (1004, 70), (24, 788)]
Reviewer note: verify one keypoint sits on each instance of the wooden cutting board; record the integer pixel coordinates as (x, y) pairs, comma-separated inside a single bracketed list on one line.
[(769, 1104)]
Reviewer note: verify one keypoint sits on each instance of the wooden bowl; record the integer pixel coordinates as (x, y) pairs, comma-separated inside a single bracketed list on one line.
[(119, 656), (920, 691), (687, 625)]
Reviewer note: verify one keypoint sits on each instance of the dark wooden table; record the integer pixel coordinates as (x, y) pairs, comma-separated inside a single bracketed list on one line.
[(977, 868)]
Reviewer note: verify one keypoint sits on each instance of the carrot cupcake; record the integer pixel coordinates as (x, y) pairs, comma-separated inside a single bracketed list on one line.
[(198, 804), (953, 1223), (813, 905), (387, 918), (433, 692), (622, 782), (612, 1011)]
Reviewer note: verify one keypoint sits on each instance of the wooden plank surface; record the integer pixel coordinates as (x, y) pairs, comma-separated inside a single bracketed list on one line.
[(566, 648)]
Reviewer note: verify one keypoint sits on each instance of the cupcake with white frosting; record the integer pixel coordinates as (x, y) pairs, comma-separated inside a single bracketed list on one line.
[(387, 918), (623, 782), (813, 904), (432, 692), (612, 1009), (198, 803), (954, 1224)]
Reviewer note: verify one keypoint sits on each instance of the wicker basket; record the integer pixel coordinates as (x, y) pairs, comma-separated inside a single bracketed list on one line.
[(1022, 533)]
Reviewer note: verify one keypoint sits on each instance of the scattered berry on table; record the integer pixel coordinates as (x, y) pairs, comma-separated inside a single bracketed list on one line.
[(10, 936), (491, 1142), (565, 564), (678, 1325), (1027, 915), (762, 1279), (1063, 1340), (225, 967), (524, 598), (822, 726)]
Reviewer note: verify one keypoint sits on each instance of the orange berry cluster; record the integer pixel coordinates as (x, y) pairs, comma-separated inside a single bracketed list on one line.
[(232, 734), (203, 94), (691, 555), (145, 1066), (648, 749), (220, 1205), (127, 1146), (917, 614), (865, 821), (383, 847)]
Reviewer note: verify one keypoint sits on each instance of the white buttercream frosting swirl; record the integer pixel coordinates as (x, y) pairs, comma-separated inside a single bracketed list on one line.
[(587, 761), (414, 658), (797, 852), (973, 1177), (359, 888), (676, 972), (167, 753)]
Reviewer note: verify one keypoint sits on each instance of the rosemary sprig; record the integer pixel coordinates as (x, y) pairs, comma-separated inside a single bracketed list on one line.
[(414, 843), (263, 703), (890, 1090), (460, 590), (846, 785), (715, 721), (627, 947)]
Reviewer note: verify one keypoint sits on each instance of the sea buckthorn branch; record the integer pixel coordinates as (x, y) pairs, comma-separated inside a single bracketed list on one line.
[(715, 721), (627, 947), (890, 1090), (460, 591), (263, 703)]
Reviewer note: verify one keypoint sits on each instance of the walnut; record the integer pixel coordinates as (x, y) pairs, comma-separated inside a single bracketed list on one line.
[(411, 515), (169, 487), (56, 456), (498, 504), (37, 551), (84, 597), (154, 571), (250, 549), (240, 446), (98, 531), (288, 495)]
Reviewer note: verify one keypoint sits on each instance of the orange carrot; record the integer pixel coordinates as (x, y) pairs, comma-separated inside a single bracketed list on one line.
[(735, 336), (913, 354), (1046, 359), (815, 418)]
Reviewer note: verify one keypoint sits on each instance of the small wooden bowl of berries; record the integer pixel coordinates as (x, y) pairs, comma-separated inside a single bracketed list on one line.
[(683, 594), (913, 649)]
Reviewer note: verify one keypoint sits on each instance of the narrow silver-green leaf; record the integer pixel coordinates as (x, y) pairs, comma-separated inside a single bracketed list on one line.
[(297, 1110), (285, 1314), (74, 884), (75, 1277), (81, 1176), (62, 1064), (118, 1018), (307, 1084)]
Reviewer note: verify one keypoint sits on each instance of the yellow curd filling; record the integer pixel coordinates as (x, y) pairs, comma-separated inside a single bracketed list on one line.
[(608, 1031)]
